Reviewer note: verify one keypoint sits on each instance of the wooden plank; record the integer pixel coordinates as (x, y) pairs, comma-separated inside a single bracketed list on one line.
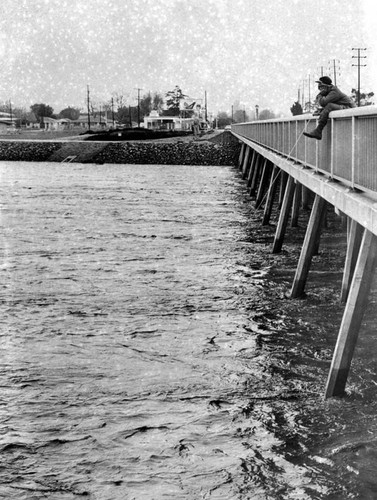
[(355, 233), (263, 183), (312, 234), (271, 195), (284, 214), (352, 316)]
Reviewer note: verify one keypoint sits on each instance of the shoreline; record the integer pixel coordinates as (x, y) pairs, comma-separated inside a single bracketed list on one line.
[(215, 149)]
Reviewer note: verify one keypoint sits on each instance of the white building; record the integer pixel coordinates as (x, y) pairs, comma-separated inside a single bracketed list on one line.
[(156, 122)]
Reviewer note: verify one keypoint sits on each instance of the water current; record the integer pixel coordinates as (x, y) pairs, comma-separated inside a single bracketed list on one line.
[(149, 351)]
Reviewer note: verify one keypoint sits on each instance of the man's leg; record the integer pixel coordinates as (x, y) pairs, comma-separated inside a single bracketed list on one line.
[(323, 118)]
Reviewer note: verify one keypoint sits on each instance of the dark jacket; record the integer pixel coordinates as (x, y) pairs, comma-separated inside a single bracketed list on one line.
[(334, 95)]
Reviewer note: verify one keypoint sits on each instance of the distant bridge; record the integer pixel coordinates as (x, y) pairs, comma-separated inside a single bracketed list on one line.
[(341, 170)]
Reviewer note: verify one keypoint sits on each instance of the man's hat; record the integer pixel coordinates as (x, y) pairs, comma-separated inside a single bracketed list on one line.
[(325, 80)]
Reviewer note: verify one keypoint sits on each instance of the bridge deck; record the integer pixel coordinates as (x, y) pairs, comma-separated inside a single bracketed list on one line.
[(340, 170)]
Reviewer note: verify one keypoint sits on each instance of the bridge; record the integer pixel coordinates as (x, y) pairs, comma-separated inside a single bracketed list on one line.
[(340, 171)]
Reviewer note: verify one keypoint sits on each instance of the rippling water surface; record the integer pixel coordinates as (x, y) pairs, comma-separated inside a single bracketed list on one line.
[(148, 350)]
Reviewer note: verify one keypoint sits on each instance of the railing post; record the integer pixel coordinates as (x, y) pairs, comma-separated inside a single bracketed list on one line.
[(332, 146), (353, 161)]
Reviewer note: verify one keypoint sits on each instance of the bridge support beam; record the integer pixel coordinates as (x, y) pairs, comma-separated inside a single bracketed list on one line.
[(284, 214), (309, 246), (355, 234), (352, 316)]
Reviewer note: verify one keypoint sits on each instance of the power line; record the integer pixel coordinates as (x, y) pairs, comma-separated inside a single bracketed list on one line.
[(358, 57)]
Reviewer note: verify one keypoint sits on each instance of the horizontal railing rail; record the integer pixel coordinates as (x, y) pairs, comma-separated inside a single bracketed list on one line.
[(347, 151)]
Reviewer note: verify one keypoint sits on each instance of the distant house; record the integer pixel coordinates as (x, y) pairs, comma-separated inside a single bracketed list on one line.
[(7, 121), (97, 121), (51, 124), (156, 122), (31, 121)]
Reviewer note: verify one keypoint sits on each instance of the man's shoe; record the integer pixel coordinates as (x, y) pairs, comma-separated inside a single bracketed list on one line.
[(314, 134)]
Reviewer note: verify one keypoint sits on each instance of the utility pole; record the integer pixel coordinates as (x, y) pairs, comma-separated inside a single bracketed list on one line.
[(205, 104), (10, 112), (138, 106), (358, 57), (112, 110), (334, 62), (88, 102), (310, 104), (232, 113)]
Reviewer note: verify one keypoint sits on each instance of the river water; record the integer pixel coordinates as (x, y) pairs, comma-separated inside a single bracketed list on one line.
[(148, 350)]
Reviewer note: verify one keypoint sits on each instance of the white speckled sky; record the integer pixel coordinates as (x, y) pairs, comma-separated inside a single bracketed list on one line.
[(252, 51)]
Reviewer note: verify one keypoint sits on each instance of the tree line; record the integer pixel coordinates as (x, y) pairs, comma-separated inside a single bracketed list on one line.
[(118, 109)]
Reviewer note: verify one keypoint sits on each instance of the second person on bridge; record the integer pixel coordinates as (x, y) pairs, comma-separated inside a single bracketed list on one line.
[(330, 98)]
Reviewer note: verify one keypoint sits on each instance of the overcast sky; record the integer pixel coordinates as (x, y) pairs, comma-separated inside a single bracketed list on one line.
[(252, 51)]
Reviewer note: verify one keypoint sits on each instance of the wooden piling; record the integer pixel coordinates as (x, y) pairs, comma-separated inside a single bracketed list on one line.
[(355, 233), (284, 214), (352, 316), (312, 236)]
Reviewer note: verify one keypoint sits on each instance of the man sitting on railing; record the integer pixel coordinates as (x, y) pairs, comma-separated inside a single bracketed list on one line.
[(330, 98)]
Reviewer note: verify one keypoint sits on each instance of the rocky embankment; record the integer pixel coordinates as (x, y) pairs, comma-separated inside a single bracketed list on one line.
[(220, 149)]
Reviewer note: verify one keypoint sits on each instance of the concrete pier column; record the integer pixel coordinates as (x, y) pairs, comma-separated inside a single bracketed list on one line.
[(352, 316), (296, 205), (284, 214), (241, 155), (245, 163), (309, 246), (355, 233), (263, 183), (253, 162), (271, 195)]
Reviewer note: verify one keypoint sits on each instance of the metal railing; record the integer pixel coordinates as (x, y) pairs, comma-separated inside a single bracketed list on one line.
[(347, 151)]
